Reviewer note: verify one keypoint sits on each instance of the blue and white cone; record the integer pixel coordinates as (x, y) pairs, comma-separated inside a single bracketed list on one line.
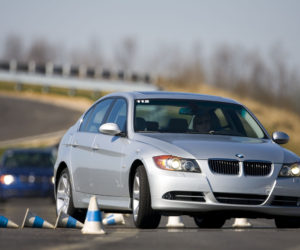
[(93, 220), (66, 221), (241, 223), (114, 219), (6, 223), (174, 221), (32, 220)]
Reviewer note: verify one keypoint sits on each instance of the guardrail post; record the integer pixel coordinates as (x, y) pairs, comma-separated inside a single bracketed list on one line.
[(72, 92), (82, 71), (66, 70), (13, 66), (49, 69), (31, 67), (19, 86)]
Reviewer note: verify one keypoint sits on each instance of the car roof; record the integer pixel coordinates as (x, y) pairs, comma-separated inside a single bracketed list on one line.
[(172, 95)]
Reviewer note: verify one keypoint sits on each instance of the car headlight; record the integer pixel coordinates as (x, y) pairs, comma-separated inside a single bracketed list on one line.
[(292, 170), (173, 163), (52, 179), (7, 179)]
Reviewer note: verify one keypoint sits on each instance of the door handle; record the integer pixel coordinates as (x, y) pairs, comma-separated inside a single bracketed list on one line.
[(75, 144)]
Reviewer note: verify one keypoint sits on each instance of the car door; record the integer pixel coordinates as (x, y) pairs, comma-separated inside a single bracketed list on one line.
[(109, 153), (81, 153)]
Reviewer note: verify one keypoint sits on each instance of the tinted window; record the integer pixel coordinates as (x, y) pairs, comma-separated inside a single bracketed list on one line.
[(86, 119), (192, 116), (97, 116), (28, 159), (118, 114)]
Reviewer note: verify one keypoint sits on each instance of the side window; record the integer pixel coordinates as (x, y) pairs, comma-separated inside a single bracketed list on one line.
[(118, 114), (97, 116), (86, 118)]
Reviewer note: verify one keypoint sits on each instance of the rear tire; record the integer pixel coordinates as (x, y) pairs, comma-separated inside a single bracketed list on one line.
[(64, 197), (209, 221), (287, 222), (143, 214)]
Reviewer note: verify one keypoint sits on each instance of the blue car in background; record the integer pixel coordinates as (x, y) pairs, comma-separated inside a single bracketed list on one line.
[(27, 173)]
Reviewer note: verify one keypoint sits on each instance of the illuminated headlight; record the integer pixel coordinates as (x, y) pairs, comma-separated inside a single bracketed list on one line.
[(173, 163), (292, 170), (7, 179), (52, 179)]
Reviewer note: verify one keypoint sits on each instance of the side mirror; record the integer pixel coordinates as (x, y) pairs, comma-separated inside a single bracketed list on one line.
[(110, 129), (280, 137)]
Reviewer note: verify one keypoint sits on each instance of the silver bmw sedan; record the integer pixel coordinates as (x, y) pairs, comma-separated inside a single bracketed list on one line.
[(164, 153)]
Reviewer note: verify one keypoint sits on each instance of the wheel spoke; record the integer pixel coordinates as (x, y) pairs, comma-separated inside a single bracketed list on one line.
[(63, 194), (136, 195), (137, 181), (65, 183)]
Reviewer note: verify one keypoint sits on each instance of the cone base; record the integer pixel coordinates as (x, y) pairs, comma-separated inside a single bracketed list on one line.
[(11, 224), (175, 225), (241, 223), (92, 231), (174, 222)]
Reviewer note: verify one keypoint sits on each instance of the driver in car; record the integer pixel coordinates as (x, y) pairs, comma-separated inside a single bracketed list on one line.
[(202, 123)]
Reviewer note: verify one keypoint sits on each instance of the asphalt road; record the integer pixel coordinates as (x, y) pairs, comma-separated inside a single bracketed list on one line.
[(263, 235), (23, 117)]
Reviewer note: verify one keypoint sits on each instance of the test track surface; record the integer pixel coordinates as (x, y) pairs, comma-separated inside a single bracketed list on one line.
[(23, 117)]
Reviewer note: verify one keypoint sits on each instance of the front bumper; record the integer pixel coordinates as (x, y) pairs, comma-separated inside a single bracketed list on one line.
[(26, 190), (281, 195)]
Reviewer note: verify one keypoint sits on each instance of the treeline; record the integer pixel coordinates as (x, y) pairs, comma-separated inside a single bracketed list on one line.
[(268, 78)]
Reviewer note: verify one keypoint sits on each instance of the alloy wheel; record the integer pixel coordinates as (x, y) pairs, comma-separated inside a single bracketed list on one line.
[(136, 196), (63, 194)]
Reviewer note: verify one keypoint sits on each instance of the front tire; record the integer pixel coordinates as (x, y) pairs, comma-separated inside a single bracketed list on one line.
[(287, 222), (64, 197), (143, 214), (209, 221)]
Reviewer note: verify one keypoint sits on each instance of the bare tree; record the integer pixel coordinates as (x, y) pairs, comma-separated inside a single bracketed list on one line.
[(41, 51), (89, 56), (125, 53), (13, 48)]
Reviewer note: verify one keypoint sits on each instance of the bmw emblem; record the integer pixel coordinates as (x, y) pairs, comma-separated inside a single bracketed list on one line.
[(240, 156)]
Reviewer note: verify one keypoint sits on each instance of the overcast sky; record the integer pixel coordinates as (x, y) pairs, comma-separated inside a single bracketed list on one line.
[(253, 24)]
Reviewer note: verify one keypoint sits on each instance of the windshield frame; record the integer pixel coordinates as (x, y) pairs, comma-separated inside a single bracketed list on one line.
[(264, 131)]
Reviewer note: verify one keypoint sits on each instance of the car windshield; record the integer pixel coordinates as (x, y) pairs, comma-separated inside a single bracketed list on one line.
[(28, 159), (194, 116)]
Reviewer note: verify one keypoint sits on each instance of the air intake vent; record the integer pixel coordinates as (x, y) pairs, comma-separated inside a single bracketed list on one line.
[(286, 201), (229, 167), (242, 199), (257, 168)]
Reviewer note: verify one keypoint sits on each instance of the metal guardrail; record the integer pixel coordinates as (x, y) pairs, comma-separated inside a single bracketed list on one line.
[(73, 77)]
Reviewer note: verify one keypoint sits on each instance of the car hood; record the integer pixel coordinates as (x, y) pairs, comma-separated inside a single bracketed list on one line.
[(27, 171), (217, 146)]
